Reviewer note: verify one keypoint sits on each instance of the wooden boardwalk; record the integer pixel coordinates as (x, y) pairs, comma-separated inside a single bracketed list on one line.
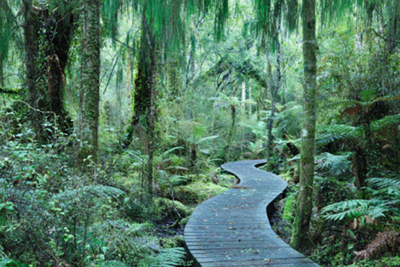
[(232, 229)]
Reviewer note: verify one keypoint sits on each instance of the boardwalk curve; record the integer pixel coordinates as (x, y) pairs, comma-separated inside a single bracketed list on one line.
[(232, 228)]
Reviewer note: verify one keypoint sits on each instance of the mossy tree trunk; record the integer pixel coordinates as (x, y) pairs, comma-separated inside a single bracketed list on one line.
[(60, 28), (393, 27), (1, 71), (88, 117), (274, 95), (31, 27), (46, 59), (231, 131), (301, 226), (142, 91), (151, 116)]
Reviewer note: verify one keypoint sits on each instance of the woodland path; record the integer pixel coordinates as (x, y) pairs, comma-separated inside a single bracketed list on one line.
[(232, 229)]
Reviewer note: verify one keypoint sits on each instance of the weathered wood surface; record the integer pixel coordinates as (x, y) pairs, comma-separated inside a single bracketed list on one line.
[(232, 229)]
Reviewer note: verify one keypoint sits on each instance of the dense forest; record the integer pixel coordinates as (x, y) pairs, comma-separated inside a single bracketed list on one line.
[(115, 116)]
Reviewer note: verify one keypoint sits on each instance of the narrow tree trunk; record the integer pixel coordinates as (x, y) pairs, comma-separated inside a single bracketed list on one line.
[(250, 107), (1, 71), (269, 77), (231, 129), (274, 93), (301, 226), (151, 132), (90, 72), (2, 75)]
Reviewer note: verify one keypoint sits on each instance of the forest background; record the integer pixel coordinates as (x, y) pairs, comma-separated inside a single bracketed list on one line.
[(116, 115)]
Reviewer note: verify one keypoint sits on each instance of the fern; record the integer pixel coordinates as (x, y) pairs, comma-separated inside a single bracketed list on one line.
[(327, 160), (334, 133), (357, 208), (170, 257), (118, 236), (386, 187), (385, 122), (112, 264), (98, 191)]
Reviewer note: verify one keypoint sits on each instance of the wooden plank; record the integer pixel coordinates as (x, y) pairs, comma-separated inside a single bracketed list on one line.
[(232, 229)]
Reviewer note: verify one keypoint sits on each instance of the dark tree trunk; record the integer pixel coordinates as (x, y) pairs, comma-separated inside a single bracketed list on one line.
[(360, 168)]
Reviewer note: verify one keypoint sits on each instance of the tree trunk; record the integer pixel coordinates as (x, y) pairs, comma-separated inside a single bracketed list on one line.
[(88, 117), (1, 71), (300, 235), (360, 168), (62, 26), (152, 114), (143, 83), (274, 93), (393, 27), (31, 27), (45, 76), (231, 130)]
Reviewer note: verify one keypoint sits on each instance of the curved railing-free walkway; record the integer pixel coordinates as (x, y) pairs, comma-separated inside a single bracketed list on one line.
[(232, 229)]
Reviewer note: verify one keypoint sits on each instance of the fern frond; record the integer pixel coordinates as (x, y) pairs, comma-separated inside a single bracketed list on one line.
[(328, 160), (113, 263), (118, 234), (337, 129), (357, 208), (387, 188), (381, 183), (170, 257), (171, 150), (98, 191), (385, 122), (333, 133)]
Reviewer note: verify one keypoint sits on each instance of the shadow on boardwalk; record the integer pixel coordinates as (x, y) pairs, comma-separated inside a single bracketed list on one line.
[(232, 229)]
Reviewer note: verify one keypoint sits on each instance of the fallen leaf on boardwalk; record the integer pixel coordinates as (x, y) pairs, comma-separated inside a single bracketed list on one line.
[(239, 187)]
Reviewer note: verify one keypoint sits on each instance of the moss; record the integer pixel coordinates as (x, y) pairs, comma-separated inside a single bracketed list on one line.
[(172, 241), (198, 191), (168, 211), (288, 209)]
